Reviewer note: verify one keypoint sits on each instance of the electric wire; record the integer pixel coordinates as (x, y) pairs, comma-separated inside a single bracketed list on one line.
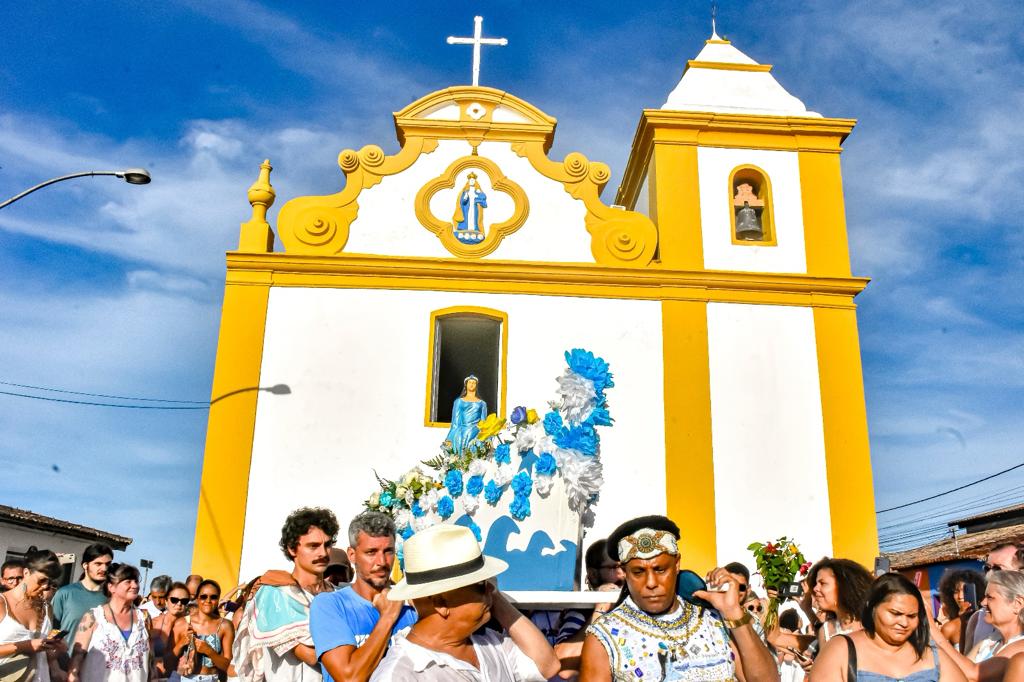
[(953, 490), (97, 404), (102, 395)]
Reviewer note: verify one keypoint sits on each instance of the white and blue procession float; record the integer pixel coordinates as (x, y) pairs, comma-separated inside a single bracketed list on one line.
[(526, 486)]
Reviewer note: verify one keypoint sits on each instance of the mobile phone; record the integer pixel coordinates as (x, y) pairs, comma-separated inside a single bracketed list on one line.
[(882, 565), (799, 654), (971, 595), (58, 634), (791, 590)]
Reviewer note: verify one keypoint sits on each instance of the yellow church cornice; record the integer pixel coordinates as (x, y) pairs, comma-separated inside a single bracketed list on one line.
[(727, 66), (738, 131), (358, 271)]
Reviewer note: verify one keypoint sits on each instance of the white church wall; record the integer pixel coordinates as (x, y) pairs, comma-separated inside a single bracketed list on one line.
[(714, 166), (767, 431), (387, 225), (320, 444)]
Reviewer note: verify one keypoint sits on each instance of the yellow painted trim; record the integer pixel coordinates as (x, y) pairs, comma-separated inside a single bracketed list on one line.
[(412, 122), (617, 237), (821, 196), (767, 215), (320, 224), (676, 192), (727, 66), (689, 462), (663, 128), (256, 234), (354, 271), (719, 41), (847, 452), (491, 313), (224, 487), (443, 229)]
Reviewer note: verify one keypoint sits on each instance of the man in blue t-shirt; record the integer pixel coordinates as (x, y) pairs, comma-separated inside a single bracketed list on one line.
[(353, 627)]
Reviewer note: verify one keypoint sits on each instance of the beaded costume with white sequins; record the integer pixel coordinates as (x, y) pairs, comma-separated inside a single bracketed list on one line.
[(688, 644)]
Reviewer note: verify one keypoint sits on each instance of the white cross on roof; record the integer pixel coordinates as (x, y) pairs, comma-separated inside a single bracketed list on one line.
[(476, 41)]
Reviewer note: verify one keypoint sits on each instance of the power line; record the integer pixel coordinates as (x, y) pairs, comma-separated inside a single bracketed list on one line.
[(947, 492), (103, 395), (984, 502), (87, 402)]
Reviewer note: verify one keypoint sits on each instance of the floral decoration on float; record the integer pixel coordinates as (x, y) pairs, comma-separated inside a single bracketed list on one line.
[(512, 461)]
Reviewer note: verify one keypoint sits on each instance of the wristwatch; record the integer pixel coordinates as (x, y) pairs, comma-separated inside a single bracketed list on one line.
[(745, 619)]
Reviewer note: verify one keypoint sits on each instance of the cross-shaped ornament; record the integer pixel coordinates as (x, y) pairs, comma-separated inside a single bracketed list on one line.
[(476, 41)]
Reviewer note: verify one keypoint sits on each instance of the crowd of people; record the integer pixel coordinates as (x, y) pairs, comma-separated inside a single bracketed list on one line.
[(446, 618)]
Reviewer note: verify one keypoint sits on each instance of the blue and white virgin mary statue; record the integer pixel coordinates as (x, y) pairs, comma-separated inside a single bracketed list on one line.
[(469, 409), (468, 220)]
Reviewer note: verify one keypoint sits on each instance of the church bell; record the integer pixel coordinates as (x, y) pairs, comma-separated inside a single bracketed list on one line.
[(748, 224)]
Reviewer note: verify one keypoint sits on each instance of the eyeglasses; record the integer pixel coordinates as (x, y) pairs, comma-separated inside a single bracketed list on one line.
[(178, 600), (208, 597), (992, 567)]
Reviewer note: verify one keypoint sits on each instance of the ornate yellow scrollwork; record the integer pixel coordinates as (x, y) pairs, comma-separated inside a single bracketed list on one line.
[(617, 237), (496, 232), (320, 224)]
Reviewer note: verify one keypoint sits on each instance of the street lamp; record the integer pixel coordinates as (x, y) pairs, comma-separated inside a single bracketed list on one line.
[(133, 176)]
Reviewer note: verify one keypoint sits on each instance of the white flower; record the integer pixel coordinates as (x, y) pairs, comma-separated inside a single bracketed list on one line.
[(401, 491), (409, 477), (421, 522), (428, 501), (403, 517), (410, 497), (504, 474), (582, 475), (578, 396), (528, 435), (478, 467), (542, 484), (374, 500), (470, 503)]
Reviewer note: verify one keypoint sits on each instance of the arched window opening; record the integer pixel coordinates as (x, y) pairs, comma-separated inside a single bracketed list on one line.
[(751, 207)]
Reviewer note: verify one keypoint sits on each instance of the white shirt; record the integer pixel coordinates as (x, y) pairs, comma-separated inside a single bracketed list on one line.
[(500, 661), (151, 608)]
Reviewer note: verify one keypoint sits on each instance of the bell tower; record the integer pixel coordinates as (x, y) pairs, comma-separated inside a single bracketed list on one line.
[(763, 389)]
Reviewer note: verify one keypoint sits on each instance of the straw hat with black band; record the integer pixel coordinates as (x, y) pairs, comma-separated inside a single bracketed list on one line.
[(443, 558)]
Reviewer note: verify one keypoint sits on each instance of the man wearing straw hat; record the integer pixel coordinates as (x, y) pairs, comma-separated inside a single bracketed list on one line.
[(449, 581)]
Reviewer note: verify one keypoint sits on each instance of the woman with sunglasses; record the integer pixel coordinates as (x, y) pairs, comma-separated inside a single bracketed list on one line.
[(112, 640), (27, 646), (207, 634), (162, 633)]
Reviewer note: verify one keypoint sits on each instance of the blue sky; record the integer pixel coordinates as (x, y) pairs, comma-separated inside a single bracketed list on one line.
[(109, 288)]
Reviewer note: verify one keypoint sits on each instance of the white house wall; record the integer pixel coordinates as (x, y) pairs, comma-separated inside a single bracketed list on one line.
[(767, 432), (714, 166), (320, 444), (387, 225)]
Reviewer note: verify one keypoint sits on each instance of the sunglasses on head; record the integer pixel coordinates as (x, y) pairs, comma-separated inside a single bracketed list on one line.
[(208, 597), (178, 600)]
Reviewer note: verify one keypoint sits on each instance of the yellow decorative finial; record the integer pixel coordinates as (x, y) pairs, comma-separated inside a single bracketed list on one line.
[(256, 235)]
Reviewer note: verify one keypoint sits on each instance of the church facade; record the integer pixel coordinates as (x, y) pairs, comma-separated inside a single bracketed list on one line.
[(717, 286)]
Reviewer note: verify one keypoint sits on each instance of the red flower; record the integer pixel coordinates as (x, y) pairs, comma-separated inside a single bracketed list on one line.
[(804, 568), (769, 548)]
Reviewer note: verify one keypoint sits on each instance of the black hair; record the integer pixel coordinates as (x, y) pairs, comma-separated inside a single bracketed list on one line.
[(178, 586), (788, 619), (654, 522), (12, 563), (596, 555), (44, 561), (736, 568), (207, 582), (947, 589), (95, 551), (300, 521), (119, 573), (852, 583), (887, 586)]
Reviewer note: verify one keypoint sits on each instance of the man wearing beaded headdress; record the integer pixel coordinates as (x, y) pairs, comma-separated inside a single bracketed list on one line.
[(655, 635)]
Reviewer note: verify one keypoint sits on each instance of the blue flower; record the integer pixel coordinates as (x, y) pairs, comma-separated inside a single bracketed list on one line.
[(417, 510), (546, 465), (600, 417), (586, 364), (552, 423), (518, 415), (520, 507), (583, 438), (385, 499), (492, 493), (522, 484), (503, 454), (453, 481), (445, 507), (407, 532), (476, 531), (475, 485)]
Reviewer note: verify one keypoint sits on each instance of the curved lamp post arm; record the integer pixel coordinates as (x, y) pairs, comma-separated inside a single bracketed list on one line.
[(134, 176)]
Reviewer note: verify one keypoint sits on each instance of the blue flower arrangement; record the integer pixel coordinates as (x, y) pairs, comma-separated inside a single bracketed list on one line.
[(503, 453), (453, 481), (583, 438), (522, 484), (475, 485), (445, 507), (386, 498), (520, 507), (417, 510), (589, 366), (518, 415), (546, 465), (492, 492), (552, 423)]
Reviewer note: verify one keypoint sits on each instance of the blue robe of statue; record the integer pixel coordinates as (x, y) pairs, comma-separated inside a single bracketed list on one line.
[(465, 417), (469, 217)]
